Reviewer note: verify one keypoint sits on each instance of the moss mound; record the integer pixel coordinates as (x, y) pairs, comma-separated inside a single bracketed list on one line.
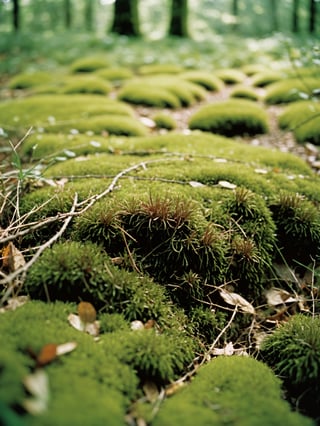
[(244, 92), (293, 352), (230, 76), (303, 119), (89, 64), (30, 80), (164, 121), (265, 78), (115, 74), (213, 397), (86, 84), (291, 90), (230, 118), (160, 69), (208, 80)]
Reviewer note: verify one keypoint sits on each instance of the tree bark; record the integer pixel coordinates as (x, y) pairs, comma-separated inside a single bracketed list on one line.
[(235, 13), (89, 14), (274, 15), (179, 18), (67, 13), (295, 16), (16, 15), (126, 18), (312, 16)]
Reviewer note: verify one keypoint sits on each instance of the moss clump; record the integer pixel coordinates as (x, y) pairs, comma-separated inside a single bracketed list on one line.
[(265, 78), (160, 69), (303, 119), (244, 92), (230, 76), (89, 64), (298, 227), (30, 80), (205, 79), (164, 121), (251, 69), (150, 96), (88, 380), (230, 390), (115, 74), (293, 352), (230, 118), (86, 84), (291, 90)]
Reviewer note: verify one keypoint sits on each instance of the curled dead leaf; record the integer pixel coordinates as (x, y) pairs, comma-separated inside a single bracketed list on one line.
[(12, 258), (37, 384), (237, 300), (47, 354), (228, 350)]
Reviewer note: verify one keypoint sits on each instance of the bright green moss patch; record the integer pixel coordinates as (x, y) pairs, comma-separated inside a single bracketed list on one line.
[(30, 80), (291, 90), (86, 84), (265, 78), (150, 96), (293, 352), (230, 76), (244, 92), (115, 74), (89, 64), (303, 118), (160, 69), (208, 80), (164, 121), (213, 397), (251, 69), (229, 118)]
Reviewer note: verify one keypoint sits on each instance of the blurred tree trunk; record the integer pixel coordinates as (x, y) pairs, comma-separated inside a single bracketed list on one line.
[(274, 15), (67, 13), (312, 16), (179, 18), (235, 13), (16, 15), (295, 16), (126, 18), (89, 14)]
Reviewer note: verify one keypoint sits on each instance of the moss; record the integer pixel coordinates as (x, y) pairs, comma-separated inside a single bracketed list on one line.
[(160, 69), (293, 352), (89, 64), (303, 119), (30, 80), (265, 78), (291, 90), (244, 92), (213, 397), (86, 84), (164, 121), (88, 380), (230, 76), (251, 69), (150, 96), (229, 118), (40, 111), (208, 80), (115, 74), (298, 227)]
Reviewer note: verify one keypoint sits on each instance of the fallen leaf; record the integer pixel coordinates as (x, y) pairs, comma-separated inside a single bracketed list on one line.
[(12, 258), (277, 296), (37, 384), (237, 300), (65, 348), (14, 303), (90, 328), (196, 184), (228, 350), (226, 184), (47, 354)]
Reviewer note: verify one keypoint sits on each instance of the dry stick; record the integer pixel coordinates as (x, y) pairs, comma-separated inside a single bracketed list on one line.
[(24, 268)]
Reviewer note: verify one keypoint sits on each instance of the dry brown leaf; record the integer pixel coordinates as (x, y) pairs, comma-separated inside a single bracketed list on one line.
[(12, 258), (47, 354), (237, 300)]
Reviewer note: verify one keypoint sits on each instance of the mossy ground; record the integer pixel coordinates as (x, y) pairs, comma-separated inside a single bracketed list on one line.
[(174, 218)]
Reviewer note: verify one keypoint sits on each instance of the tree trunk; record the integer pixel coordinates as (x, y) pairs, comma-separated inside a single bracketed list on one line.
[(235, 13), (126, 18), (89, 14), (16, 15), (67, 13), (179, 18), (312, 16), (295, 16), (274, 15)]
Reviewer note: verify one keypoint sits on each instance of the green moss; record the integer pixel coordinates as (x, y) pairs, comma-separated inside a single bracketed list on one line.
[(89, 64), (164, 121), (86, 84), (160, 69), (115, 74), (208, 80), (303, 119), (265, 78), (150, 96), (291, 90), (244, 92), (213, 397), (293, 351), (89, 380), (30, 80), (251, 69), (232, 117), (230, 76), (298, 227), (40, 111)]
